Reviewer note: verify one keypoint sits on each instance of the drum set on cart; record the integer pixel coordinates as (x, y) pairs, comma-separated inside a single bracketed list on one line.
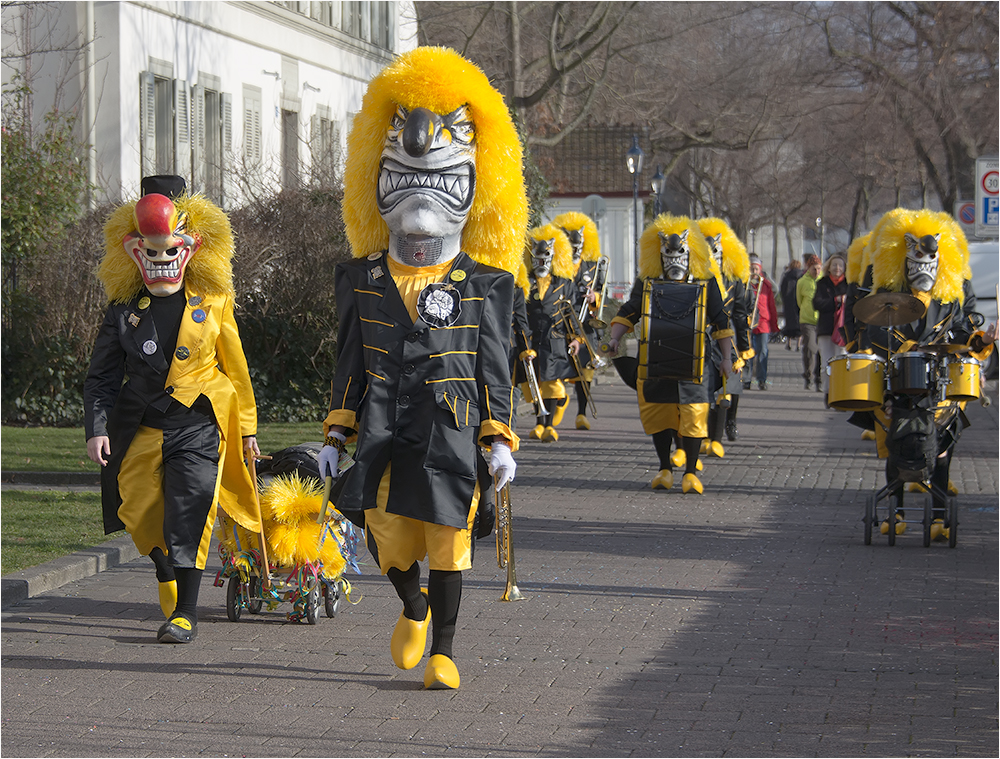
[(907, 393)]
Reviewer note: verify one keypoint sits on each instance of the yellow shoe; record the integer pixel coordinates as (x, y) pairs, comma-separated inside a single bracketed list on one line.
[(699, 466), (168, 597), (704, 446), (536, 433), (952, 488), (691, 482), (915, 487), (441, 674), (664, 480), (409, 639), (939, 531), (900, 525), (550, 435), (868, 435), (557, 415), (716, 449), (678, 458), (582, 423)]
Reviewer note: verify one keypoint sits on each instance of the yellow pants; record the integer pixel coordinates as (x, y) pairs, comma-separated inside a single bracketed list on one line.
[(689, 419), (401, 541), (140, 482)]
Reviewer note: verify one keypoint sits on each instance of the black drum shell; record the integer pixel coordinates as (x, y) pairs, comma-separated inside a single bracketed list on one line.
[(913, 373)]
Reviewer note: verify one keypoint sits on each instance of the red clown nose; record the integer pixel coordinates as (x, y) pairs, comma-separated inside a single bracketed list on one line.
[(155, 216)]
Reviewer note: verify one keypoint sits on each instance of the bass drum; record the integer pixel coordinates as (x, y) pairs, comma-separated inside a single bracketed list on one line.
[(913, 373), (857, 382), (672, 335), (963, 378)]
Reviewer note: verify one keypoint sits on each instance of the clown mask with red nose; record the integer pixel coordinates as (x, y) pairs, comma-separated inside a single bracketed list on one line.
[(161, 248)]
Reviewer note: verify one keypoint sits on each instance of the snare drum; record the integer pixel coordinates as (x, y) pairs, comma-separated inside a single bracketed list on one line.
[(857, 382), (913, 373), (963, 378), (672, 331)]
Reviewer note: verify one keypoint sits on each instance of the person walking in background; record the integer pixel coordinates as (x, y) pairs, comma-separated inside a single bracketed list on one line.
[(765, 323), (805, 288), (831, 291), (789, 303)]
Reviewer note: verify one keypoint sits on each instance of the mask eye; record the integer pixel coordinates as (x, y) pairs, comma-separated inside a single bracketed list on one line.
[(398, 120)]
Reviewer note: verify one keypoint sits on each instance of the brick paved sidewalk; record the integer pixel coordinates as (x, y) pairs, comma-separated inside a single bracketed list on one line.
[(750, 621)]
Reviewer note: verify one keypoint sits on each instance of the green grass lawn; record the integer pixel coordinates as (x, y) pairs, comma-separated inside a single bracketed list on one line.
[(39, 526), (63, 449)]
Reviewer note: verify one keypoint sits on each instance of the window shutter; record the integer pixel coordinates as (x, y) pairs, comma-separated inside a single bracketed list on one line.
[(226, 105), (147, 124), (182, 130), (198, 174)]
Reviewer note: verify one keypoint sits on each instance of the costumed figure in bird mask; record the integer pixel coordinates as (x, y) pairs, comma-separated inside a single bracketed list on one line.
[(436, 216)]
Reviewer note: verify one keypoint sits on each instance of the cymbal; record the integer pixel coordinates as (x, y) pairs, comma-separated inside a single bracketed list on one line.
[(888, 309), (944, 349)]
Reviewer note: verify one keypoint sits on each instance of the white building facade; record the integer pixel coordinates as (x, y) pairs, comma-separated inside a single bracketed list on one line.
[(240, 98)]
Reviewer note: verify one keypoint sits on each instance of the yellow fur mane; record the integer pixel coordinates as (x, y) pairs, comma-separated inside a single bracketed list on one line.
[(700, 263), (889, 253), (441, 80), (210, 269), (562, 261), (591, 237), (735, 261), (855, 258)]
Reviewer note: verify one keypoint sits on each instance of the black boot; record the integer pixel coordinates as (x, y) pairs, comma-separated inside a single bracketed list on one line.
[(731, 432)]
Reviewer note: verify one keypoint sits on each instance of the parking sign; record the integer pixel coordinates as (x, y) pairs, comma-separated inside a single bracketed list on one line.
[(987, 196)]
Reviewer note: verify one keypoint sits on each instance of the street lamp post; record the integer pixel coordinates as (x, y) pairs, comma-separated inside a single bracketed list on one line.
[(822, 233), (633, 159), (656, 184)]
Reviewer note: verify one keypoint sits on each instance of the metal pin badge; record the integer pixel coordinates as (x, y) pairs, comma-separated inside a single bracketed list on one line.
[(194, 300), (133, 319), (149, 347), (198, 315), (143, 303), (182, 352)]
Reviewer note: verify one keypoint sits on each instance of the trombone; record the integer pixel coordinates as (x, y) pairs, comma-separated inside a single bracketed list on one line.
[(602, 266), (505, 542), (533, 386), (755, 316), (573, 327)]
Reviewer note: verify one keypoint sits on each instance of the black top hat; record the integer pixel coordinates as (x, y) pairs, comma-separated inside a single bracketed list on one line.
[(170, 185)]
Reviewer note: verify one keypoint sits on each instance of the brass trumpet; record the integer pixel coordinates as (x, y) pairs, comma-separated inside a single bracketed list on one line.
[(505, 542), (573, 327), (755, 316)]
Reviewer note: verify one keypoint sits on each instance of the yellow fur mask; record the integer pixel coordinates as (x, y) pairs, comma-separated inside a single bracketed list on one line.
[(855, 259), (591, 237), (889, 253), (735, 261), (562, 261), (701, 265), (440, 80), (209, 271)]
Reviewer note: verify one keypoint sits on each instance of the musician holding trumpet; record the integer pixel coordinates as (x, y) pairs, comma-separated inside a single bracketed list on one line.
[(589, 278), (677, 303), (435, 211), (554, 341)]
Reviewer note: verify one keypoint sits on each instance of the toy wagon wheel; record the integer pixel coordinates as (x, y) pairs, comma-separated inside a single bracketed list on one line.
[(331, 597), (952, 522), (233, 606), (254, 600), (928, 520), (312, 605), (869, 518)]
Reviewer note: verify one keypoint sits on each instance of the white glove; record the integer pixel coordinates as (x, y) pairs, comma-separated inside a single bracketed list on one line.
[(329, 457), (502, 464)]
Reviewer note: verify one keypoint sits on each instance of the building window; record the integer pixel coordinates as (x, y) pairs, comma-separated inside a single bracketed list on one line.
[(324, 148), (165, 122), (212, 127)]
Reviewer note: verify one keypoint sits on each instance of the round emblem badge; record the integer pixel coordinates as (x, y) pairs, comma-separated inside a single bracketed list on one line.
[(182, 353), (149, 347), (458, 275), (198, 315), (143, 303), (374, 256), (439, 304), (194, 300)]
